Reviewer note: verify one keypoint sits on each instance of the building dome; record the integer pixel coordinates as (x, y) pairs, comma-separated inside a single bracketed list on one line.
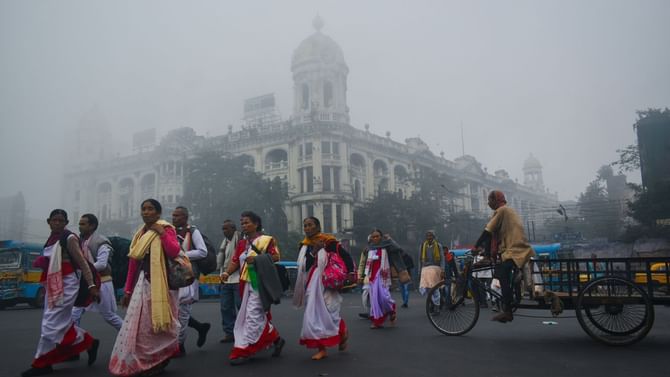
[(318, 48), (532, 163)]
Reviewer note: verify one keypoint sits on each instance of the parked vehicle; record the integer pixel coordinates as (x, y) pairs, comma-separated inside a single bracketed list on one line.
[(658, 272), (210, 285), (19, 280)]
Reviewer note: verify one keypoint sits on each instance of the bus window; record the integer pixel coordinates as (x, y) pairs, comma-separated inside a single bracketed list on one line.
[(10, 259)]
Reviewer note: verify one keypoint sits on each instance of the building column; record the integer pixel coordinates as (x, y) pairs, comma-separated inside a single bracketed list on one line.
[(303, 208), (294, 175), (318, 209), (369, 178), (333, 216), (114, 201), (346, 185), (391, 178), (316, 165), (295, 221), (347, 216)]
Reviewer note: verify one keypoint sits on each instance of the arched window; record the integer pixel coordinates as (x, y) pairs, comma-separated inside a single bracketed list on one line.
[(328, 94), (305, 96)]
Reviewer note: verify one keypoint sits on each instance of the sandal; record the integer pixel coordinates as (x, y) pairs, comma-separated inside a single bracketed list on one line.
[(343, 342), (320, 355)]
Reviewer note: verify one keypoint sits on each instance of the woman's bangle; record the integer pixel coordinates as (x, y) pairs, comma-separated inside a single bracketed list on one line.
[(91, 286)]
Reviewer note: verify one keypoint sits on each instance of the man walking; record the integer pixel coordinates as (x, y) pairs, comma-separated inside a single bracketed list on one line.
[(193, 245), (430, 262), (230, 288), (98, 250)]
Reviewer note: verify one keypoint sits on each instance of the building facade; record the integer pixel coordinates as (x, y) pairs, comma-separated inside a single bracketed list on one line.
[(328, 165)]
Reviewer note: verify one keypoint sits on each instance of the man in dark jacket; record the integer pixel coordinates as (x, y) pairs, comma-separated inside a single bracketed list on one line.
[(404, 287)]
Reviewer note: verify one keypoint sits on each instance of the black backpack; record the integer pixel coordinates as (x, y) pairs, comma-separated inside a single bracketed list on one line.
[(207, 264)]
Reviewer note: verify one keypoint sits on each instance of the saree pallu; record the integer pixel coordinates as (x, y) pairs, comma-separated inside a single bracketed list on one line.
[(138, 348), (60, 338)]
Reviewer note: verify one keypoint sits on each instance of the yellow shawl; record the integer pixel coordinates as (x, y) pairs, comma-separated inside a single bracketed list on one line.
[(161, 316), (261, 242), (325, 237), (436, 251)]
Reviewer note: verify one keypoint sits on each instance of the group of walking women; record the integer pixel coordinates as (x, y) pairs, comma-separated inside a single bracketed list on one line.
[(148, 338)]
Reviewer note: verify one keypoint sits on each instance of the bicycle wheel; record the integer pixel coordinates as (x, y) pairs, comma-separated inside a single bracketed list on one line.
[(614, 311), (456, 318)]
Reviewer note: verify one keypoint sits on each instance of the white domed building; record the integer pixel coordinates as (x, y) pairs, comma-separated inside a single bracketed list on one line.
[(328, 165)]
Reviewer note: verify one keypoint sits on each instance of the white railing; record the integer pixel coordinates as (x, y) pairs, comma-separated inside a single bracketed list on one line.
[(276, 165)]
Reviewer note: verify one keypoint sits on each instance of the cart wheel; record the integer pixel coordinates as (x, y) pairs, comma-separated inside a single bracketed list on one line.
[(456, 318), (614, 311)]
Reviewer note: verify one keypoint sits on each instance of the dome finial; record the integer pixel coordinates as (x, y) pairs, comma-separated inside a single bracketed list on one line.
[(318, 23)]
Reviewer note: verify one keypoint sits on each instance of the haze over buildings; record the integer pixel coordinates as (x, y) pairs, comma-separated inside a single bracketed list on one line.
[(560, 80)]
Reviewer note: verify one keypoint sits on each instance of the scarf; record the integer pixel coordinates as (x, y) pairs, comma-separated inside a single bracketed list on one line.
[(312, 241), (303, 274), (227, 251), (248, 271), (299, 288), (149, 241), (499, 201), (54, 280), (384, 270), (498, 198), (185, 242), (436, 251)]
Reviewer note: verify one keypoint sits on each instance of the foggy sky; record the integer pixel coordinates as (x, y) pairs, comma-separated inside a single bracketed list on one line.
[(559, 79)]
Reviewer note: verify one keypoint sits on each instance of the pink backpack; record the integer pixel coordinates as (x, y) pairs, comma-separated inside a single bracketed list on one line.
[(335, 274)]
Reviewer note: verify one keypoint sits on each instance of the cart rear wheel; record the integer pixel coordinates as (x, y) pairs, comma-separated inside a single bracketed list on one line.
[(614, 311), (452, 317)]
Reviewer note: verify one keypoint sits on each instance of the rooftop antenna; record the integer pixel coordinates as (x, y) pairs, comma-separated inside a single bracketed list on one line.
[(462, 141)]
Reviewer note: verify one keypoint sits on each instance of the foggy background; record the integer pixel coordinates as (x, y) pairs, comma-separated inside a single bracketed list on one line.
[(559, 79)]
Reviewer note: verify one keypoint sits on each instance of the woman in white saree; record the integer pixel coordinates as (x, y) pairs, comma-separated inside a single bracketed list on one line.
[(322, 325), (375, 275)]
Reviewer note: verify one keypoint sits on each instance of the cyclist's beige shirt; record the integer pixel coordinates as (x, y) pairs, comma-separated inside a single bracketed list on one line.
[(507, 227)]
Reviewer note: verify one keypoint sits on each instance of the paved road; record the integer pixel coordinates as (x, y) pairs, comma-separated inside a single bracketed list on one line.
[(524, 347)]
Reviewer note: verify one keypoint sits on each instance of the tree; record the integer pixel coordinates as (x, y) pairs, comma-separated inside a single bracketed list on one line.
[(600, 215), (629, 159), (407, 218), (649, 203), (464, 228), (218, 188), (645, 208), (387, 212)]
